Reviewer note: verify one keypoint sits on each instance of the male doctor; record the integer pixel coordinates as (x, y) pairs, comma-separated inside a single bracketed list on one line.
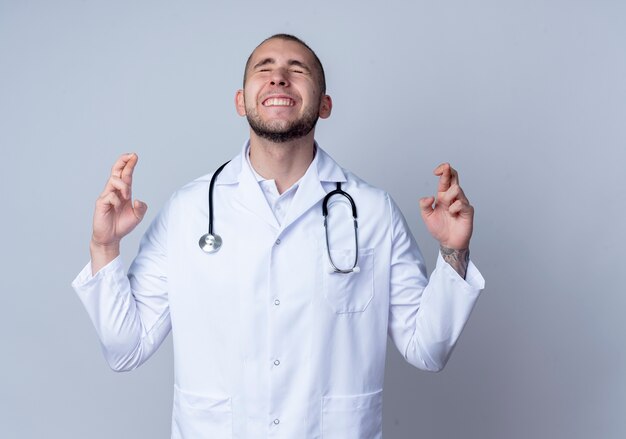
[(269, 339)]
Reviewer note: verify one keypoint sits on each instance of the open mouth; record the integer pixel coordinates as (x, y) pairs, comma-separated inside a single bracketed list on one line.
[(279, 102)]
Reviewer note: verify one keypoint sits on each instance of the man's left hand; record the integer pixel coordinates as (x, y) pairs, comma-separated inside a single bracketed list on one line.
[(451, 219)]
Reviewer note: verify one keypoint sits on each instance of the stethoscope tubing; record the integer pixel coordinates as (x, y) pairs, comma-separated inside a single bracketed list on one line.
[(338, 191), (327, 198), (213, 178)]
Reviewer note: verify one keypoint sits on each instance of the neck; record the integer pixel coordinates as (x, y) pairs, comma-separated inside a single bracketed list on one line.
[(284, 163)]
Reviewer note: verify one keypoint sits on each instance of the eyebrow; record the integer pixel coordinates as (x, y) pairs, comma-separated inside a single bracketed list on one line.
[(291, 62)]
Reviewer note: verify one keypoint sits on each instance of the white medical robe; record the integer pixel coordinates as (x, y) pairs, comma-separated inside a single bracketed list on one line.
[(268, 342)]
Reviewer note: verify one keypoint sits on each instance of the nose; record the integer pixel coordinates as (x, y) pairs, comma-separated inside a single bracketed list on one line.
[(279, 77)]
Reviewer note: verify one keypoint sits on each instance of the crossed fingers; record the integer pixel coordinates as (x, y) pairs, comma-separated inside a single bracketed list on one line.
[(121, 176), (450, 194), (447, 176)]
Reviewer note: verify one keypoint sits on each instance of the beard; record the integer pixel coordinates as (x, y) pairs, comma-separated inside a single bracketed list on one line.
[(278, 132)]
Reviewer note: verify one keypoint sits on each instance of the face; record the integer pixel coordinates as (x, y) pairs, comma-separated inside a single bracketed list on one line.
[(281, 98)]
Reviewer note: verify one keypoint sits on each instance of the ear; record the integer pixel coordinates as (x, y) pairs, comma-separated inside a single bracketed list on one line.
[(240, 103), (325, 107)]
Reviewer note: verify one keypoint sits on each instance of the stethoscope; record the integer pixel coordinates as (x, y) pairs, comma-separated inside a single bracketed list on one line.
[(212, 242)]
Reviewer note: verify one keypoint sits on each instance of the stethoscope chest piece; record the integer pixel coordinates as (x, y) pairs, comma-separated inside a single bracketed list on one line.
[(210, 243)]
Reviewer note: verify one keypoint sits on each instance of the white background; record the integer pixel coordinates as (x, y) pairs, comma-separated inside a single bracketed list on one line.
[(526, 98)]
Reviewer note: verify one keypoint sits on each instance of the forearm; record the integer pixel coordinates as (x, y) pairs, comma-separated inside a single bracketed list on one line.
[(445, 308), (102, 254), (458, 259), (128, 331)]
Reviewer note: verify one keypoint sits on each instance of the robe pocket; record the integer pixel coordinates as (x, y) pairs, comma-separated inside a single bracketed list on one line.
[(353, 417), (201, 417), (349, 292)]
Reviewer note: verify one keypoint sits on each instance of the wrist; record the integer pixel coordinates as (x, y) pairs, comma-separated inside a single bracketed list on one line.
[(104, 247), (455, 244)]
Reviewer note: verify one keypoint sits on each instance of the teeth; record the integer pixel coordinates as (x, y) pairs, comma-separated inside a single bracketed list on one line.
[(278, 102)]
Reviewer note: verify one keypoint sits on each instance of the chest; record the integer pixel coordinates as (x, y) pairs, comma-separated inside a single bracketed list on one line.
[(259, 263)]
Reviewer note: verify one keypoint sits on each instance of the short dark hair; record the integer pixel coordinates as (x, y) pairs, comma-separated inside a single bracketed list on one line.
[(288, 37)]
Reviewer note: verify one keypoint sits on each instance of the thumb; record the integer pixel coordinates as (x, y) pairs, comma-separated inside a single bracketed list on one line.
[(139, 208), (426, 206)]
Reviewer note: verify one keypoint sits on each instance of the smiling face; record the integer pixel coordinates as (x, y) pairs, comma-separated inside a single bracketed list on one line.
[(282, 98)]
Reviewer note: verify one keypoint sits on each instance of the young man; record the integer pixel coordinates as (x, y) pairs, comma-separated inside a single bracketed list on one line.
[(282, 331)]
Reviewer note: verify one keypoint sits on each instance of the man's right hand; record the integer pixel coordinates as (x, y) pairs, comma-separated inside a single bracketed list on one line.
[(115, 215)]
